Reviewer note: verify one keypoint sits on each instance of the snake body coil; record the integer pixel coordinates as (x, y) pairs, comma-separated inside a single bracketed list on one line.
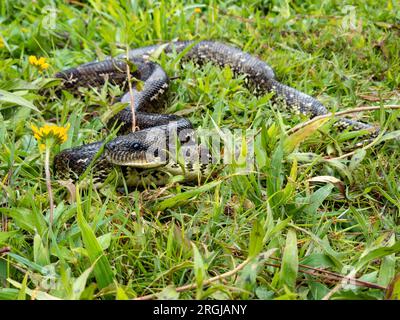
[(132, 149)]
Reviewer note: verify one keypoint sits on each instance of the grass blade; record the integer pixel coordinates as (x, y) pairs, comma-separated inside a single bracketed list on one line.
[(102, 269)]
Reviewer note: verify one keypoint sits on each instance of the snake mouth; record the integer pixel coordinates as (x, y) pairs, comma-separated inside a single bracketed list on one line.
[(138, 149), (134, 160)]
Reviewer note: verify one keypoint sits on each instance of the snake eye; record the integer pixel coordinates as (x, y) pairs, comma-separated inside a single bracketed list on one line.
[(136, 146)]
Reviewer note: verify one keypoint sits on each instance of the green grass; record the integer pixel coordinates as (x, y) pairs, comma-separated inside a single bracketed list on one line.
[(110, 245)]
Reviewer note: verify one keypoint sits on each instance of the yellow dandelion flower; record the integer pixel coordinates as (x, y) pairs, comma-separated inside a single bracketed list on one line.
[(47, 136), (32, 60), (197, 10), (55, 133), (41, 60), (40, 63), (44, 66), (1, 43)]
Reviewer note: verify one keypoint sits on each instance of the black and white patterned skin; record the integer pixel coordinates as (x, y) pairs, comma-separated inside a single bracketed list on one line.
[(71, 163)]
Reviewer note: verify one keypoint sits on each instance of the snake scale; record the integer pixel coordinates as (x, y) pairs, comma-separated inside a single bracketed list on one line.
[(139, 153)]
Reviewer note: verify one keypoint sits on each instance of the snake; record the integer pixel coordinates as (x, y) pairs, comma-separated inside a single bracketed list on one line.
[(143, 155)]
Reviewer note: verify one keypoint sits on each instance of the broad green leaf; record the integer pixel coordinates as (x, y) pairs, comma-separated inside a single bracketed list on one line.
[(387, 269), (104, 240), (318, 260), (5, 235), (290, 262), (26, 219), (351, 135), (377, 254), (40, 251), (15, 99), (352, 295), (264, 293), (183, 196), (304, 157), (8, 294), (256, 239), (36, 294), (390, 135), (80, 283), (121, 294), (356, 159), (22, 290), (318, 197), (168, 293), (199, 270), (315, 200), (342, 169), (369, 277), (18, 84), (318, 290), (31, 265), (393, 291), (260, 153), (247, 279)]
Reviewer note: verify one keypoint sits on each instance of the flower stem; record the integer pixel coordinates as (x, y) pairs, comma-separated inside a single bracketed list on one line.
[(48, 183), (132, 101)]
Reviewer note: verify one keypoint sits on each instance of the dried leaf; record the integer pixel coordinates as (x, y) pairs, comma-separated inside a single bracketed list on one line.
[(71, 189), (370, 97), (329, 179), (296, 138), (393, 290)]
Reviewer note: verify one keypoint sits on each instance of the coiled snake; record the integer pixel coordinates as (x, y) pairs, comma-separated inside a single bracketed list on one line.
[(142, 154)]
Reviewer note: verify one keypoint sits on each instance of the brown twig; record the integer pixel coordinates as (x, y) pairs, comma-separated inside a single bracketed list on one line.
[(131, 96), (333, 291), (5, 250), (205, 283), (327, 276), (77, 3), (369, 145), (174, 78), (337, 276)]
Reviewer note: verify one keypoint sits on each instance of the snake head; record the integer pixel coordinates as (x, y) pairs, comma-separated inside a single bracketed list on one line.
[(141, 149)]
